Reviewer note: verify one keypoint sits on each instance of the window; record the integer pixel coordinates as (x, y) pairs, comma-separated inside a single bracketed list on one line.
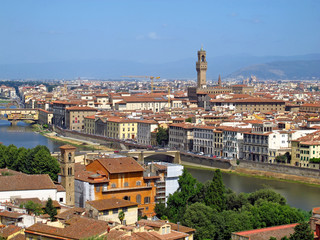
[(138, 199), (113, 185), (105, 212), (125, 209), (146, 200), (61, 199), (70, 157), (115, 211), (97, 188), (126, 184), (138, 183)]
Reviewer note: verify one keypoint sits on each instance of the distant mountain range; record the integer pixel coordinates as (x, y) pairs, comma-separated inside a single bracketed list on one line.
[(236, 66)]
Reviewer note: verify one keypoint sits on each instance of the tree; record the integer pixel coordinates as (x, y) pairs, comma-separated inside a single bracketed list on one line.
[(33, 207), (215, 194), (50, 210), (161, 210), (199, 216), (189, 119), (121, 216), (266, 194), (162, 136), (302, 232)]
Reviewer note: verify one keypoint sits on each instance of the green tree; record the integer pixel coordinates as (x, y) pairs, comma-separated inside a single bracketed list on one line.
[(189, 119), (121, 216), (177, 202), (50, 210), (161, 210), (198, 216), (215, 196), (33, 207), (266, 194), (162, 136), (302, 232)]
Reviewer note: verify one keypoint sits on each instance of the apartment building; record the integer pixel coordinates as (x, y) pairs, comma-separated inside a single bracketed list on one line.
[(75, 117), (122, 178), (203, 139), (145, 128), (181, 136), (89, 124)]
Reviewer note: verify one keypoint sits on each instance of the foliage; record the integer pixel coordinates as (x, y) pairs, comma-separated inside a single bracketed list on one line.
[(302, 232), (215, 212), (33, 207), (162, 136), (121, 216), (37, 160), (189, 119), (95, 238), (198, 216), (50, 210), (314, 160), (285, 158)]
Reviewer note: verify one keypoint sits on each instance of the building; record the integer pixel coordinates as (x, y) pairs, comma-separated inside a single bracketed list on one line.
[(109, 209), (121, 178), (75, 117), (75, 228), (181, 136), (265, 233), (45, 117), (168, 175), (201, 67), (66, 177), (89, 124), (145, 128), (20, 185), (203, 139)]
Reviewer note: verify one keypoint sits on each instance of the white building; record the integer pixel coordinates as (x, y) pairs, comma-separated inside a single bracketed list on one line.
[(29, 186)]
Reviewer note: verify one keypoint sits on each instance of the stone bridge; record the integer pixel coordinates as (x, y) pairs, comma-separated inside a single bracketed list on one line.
[(140, 155), (18, 114)]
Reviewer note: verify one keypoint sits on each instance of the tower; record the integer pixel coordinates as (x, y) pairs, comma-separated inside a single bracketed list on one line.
[(219, 81), (67, 165), (201, 67)]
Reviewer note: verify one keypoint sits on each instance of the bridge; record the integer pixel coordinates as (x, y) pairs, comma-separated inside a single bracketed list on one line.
[(19, 114), (140, 155)]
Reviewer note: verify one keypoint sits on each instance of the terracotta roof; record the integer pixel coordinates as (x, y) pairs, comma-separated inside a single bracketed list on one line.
[(11, 172), (9, 230), (66, 147), (18, 237), (76, 108), (120, 165), (79, 228), (105, 204), (11, 214), (70, 213), (265, 233), (26, 182), (181, 228)]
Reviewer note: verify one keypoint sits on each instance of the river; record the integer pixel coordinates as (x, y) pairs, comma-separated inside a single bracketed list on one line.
[(298, 195)]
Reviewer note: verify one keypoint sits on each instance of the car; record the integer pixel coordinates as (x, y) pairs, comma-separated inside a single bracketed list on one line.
[(132, 150), (116, 151), (200, 153)]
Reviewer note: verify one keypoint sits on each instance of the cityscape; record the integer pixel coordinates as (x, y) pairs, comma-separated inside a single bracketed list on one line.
[(160, 140)]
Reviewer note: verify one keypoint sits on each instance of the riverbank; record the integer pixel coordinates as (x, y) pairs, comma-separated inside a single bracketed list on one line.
[(75, 142), (259, 174)]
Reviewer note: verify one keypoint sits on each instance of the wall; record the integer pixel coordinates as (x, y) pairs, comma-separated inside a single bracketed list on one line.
[(206, 161), (42, 194), (304, 172)]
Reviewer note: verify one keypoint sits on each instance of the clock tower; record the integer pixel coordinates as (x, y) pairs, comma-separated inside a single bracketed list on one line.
[(67, 165), (201, 67)]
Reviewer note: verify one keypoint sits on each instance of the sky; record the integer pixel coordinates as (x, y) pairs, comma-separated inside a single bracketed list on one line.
[(155, 31)]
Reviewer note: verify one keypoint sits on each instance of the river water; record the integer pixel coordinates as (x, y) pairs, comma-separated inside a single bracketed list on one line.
[(298, 195)]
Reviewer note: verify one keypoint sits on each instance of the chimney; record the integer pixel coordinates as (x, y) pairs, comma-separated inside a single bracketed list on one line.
[(178, 223)]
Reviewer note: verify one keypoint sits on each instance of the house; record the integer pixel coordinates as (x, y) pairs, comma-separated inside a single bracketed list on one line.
[(75, 228), (20, 185), (109, 209)]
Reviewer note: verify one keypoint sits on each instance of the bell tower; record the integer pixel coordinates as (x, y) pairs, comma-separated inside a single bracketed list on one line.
[(67, 165), (201, 67)]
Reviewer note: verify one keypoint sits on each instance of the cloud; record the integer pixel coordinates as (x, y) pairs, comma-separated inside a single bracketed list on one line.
[(150, 36)]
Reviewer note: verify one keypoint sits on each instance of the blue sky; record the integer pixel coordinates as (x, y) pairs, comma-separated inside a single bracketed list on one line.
[(156, 31)]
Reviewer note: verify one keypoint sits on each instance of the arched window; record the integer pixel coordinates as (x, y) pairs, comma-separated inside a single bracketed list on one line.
[(202, 58), (70, 157), (126, 198), (126, 184), (138, 199)]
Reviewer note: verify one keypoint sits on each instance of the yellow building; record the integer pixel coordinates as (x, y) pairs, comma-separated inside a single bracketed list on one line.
[(121, 128), (89, 124)]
